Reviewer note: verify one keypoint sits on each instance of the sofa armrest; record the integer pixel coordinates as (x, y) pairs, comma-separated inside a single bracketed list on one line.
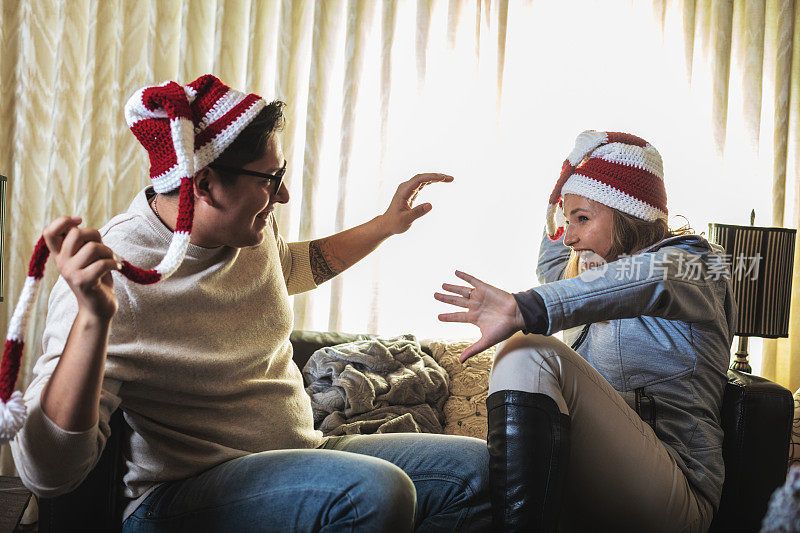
[(757, 421)]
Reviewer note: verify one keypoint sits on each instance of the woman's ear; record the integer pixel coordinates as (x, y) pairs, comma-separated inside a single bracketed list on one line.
[(204, 182)]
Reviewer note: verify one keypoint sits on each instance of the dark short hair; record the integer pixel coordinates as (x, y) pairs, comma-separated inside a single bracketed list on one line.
[(251, 143)]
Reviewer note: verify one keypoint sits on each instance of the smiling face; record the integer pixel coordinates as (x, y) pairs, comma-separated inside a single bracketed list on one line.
[(589, 226), (237, 208)]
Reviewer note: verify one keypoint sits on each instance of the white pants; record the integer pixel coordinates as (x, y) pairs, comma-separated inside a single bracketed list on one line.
[(621, 477)]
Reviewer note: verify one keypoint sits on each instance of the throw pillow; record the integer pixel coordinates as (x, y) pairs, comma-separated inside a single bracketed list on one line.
[(465, 409)]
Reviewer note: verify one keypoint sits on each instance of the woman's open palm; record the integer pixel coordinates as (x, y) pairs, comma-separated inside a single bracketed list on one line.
[(493, 310)]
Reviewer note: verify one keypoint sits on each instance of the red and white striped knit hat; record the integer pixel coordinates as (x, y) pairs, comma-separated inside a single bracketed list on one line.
[(183, 129), (623, 172)]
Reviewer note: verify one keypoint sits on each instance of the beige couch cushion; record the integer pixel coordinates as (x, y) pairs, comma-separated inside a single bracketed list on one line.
[(465, 409)]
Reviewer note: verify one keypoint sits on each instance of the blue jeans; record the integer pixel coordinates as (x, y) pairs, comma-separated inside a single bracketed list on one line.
[(389, 482)]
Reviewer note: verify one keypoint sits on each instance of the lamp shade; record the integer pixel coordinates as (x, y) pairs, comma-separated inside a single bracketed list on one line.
[(761, 262)]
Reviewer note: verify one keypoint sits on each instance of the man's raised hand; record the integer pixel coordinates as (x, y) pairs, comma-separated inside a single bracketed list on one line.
[(85, 263), (402, 213)]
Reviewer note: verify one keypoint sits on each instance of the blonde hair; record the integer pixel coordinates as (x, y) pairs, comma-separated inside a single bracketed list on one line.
[(629, 235)]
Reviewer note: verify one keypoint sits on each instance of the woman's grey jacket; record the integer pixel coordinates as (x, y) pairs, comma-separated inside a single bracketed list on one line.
[(661, 327)]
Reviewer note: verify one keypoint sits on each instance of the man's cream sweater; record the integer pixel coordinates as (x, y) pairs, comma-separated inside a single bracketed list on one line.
[(200, 363)]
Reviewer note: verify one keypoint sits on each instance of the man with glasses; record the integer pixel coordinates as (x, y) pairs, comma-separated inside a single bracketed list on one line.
[(221, 429)]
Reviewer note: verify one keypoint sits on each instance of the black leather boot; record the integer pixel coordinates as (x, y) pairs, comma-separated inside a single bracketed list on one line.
[(528, 443)]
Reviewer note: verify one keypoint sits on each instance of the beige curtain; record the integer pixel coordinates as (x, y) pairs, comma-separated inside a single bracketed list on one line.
[(743, 60)]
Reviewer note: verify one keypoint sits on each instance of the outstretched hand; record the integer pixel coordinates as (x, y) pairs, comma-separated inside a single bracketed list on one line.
[(401, 213), (493, 310)]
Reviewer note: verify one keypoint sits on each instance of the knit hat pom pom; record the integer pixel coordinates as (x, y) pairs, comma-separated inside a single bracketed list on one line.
[(585, 144), (12, 417)]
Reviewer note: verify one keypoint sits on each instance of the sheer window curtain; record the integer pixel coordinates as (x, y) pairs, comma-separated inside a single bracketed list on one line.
[(490, 91)]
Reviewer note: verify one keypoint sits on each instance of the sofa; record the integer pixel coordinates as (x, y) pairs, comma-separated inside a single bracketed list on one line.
[(756, 418)]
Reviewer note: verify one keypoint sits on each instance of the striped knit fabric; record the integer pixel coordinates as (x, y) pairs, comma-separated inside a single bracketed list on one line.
[(622, 171), (12, 411), (183, 129)]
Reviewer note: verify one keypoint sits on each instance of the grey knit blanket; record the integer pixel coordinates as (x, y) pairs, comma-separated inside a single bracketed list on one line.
[(376, 386)]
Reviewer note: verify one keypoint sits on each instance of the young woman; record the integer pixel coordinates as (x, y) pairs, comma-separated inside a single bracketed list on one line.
[(623, 420)]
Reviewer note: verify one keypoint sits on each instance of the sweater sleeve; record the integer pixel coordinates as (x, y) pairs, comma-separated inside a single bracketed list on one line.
[(671, 283), (553, 257), (295, 263), (50, 460), (533, 310)]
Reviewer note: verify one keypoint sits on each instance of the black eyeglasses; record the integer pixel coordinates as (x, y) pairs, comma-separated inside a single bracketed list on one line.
[(277, 177)]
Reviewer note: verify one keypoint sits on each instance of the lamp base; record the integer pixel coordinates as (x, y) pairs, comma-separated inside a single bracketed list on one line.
[(742, 366), (741, 363)]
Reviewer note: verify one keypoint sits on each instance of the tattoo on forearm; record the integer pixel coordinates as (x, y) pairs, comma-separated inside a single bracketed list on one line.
[(322, 263)]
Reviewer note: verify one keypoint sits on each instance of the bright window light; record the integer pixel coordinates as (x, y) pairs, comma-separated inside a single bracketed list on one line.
[(569, 66)]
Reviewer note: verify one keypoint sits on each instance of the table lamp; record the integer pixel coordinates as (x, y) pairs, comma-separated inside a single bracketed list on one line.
[(761, 262)]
